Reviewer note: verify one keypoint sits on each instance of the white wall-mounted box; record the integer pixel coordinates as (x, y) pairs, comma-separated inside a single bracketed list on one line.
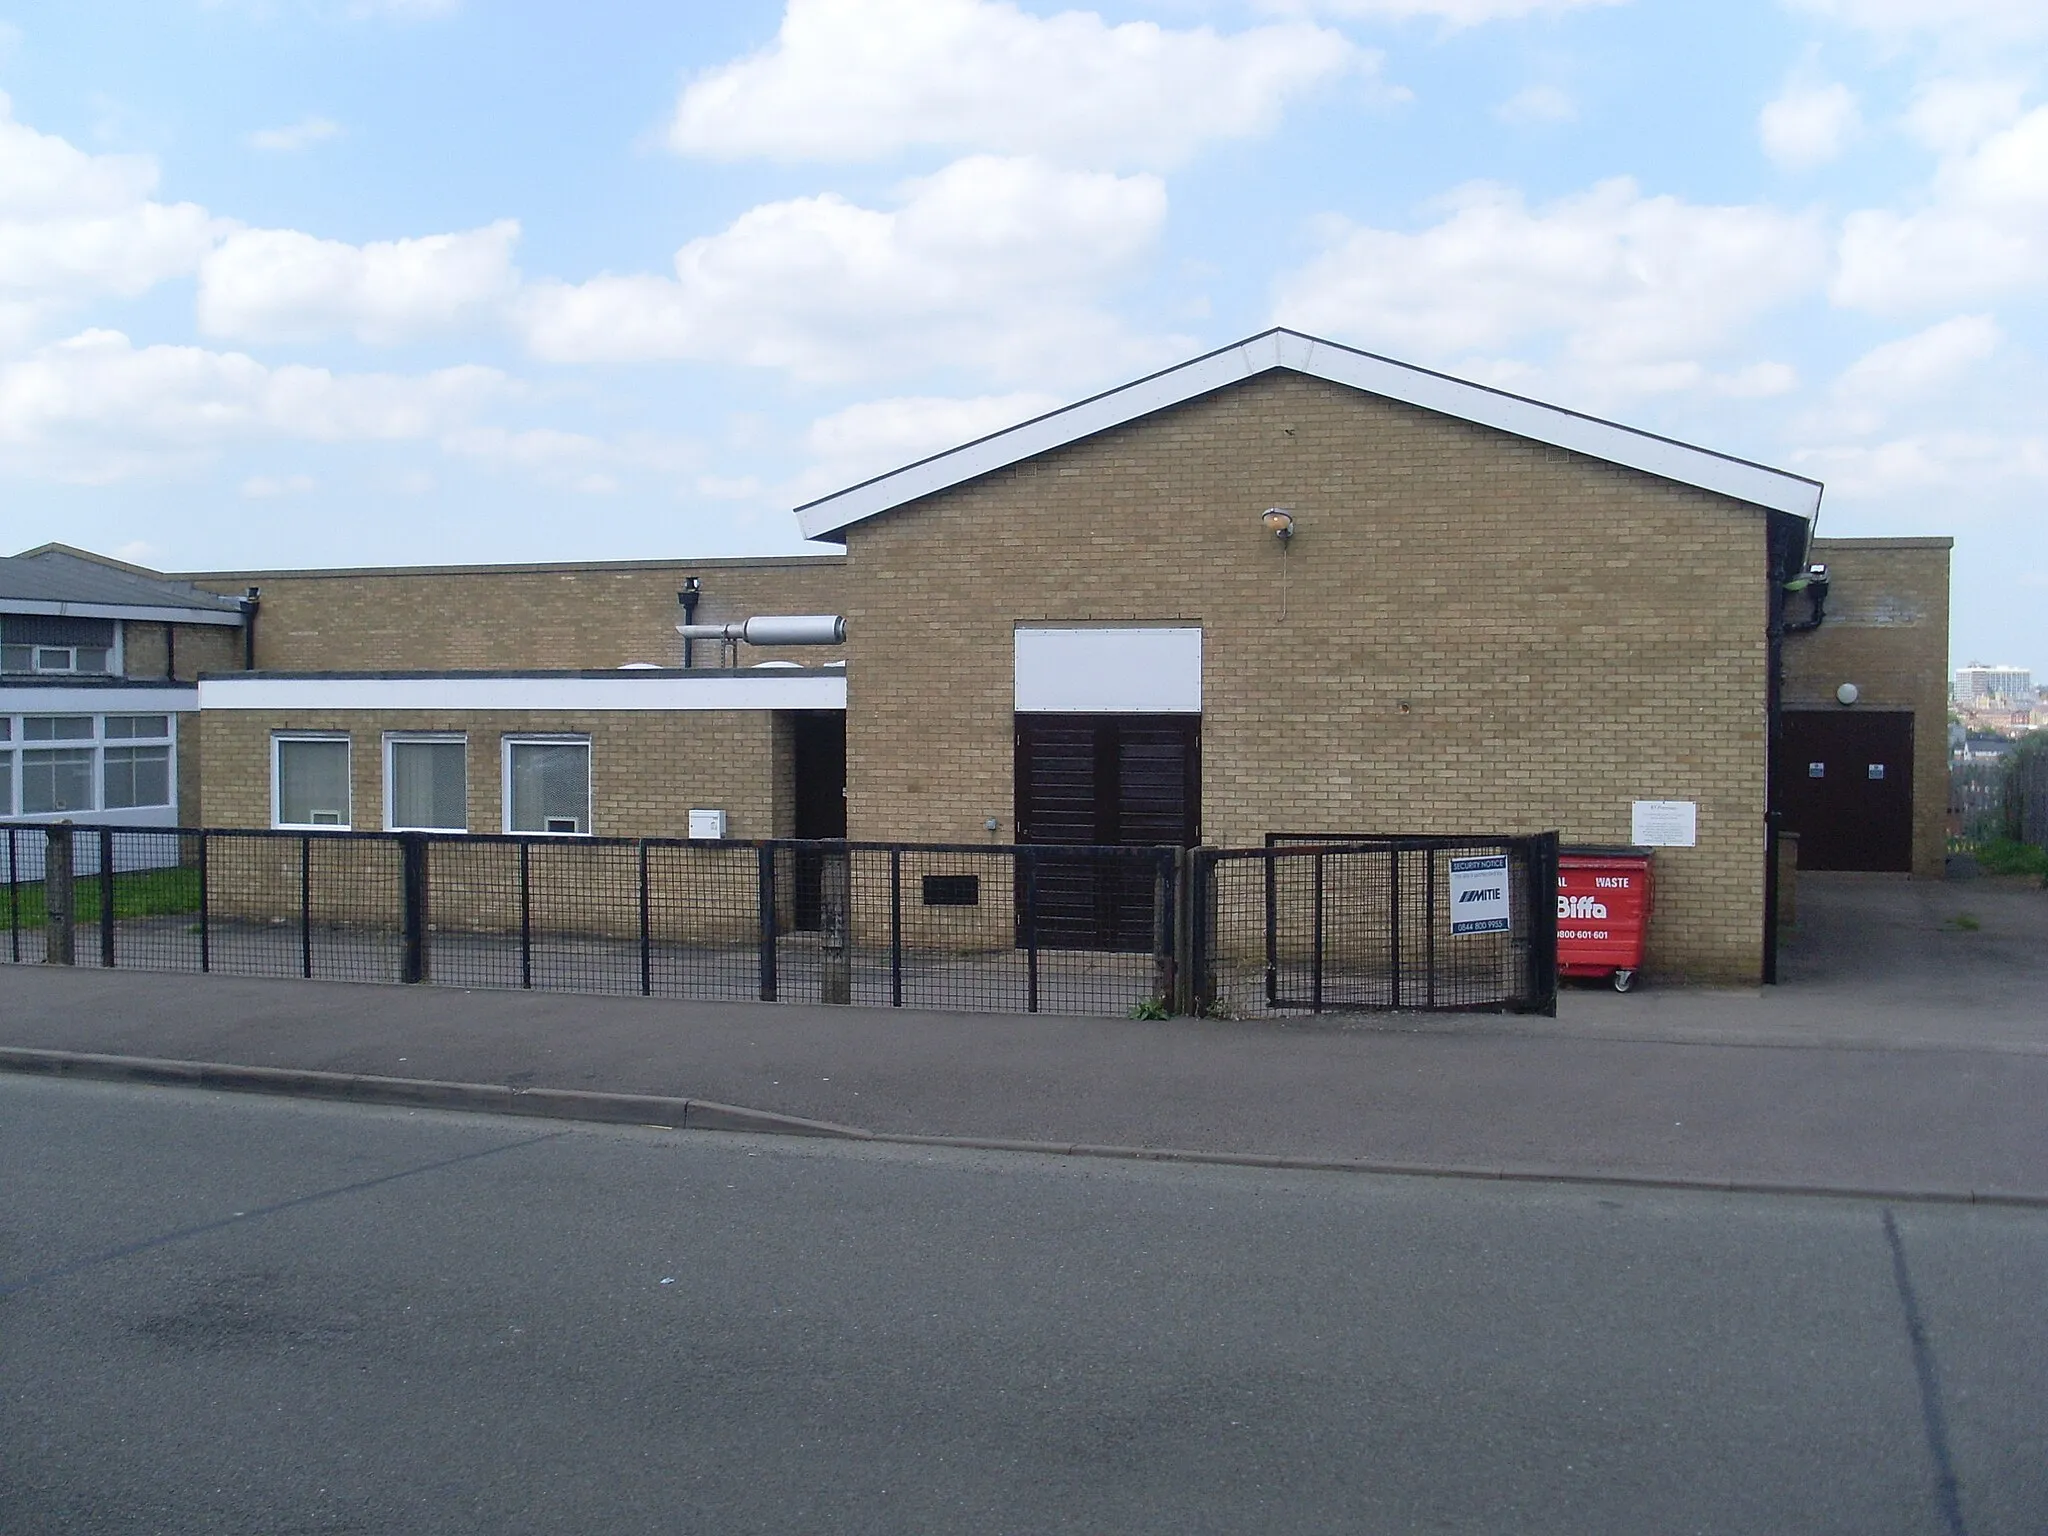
[(708, 826)]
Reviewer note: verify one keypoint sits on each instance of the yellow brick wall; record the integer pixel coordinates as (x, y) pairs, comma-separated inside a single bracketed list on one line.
[(553, 616), (1886, 631), (1469, 633), (199, 648), (648, 769)]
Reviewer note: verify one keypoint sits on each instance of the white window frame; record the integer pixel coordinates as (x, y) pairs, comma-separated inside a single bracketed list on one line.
[(348, 821), (534, 739), (116, 658), (402, 738), (15, 742)]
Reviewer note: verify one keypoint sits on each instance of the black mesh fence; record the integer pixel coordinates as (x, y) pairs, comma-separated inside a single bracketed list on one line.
[(1314, 925), (989, 928)]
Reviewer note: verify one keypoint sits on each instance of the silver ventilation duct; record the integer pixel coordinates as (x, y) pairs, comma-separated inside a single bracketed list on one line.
[(774, 629)]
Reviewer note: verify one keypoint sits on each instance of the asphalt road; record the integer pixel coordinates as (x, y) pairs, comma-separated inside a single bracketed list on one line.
[(225, 1314)]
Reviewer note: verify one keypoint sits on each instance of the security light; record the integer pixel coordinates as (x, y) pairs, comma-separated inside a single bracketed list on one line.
[(1848, 693), (1279, 522)]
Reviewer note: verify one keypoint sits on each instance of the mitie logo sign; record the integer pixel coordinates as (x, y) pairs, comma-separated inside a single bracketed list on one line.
[(1479, 894)]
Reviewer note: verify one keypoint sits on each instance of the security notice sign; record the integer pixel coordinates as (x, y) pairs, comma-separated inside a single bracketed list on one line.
[(1479, 894)]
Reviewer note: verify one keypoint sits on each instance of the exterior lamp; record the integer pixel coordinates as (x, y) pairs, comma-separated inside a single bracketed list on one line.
[(1848, 693), (1279, 522)]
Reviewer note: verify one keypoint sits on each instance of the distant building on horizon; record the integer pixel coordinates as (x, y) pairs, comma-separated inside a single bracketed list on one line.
[(1977, 683)]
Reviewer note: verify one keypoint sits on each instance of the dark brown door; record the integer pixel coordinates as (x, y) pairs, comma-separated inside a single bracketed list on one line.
[(1845, 785), (1104, 781), (818, 748)]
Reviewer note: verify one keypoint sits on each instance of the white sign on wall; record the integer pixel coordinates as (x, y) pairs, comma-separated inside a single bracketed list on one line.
[(1664, 824), (1113, 669), (1479, 894)]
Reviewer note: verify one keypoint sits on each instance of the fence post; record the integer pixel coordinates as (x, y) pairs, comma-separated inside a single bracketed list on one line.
[(1162, 928), (1394, 923), (835, 896), (1030, 929), (1315, 975), (1542, 925), (205, 908), (646, 939), (1183, 939), (895, 927), (58, 908), (305, 905), (107, 898), (415, 960), (1429, 926), (525, 917), (1201, 963), (767, 915), (1272, 924), (13, 896)]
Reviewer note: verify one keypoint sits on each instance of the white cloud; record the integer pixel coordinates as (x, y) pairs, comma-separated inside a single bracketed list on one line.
[(1953, 113), (1634, 292), (994, 265), (296, 136), (1537, 104), (1983, 230), (1455, 13), (75, 225), (96, 408), (1921, 364), (572, 461), (862, 79), (1947, 23), (282, 285), (876, 436), (1809, 124), (270, 487), (1977, 464)]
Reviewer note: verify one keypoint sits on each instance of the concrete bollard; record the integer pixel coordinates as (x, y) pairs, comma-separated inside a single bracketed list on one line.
[(835, 899)]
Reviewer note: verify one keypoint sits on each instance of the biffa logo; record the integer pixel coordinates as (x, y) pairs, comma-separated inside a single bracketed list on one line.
[(1580, 906)]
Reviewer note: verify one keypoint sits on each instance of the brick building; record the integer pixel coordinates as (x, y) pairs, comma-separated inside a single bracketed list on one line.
[(1487, 615)]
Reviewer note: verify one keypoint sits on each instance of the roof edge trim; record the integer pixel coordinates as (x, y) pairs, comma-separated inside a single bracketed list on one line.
[(1480, 404), (158, 614)]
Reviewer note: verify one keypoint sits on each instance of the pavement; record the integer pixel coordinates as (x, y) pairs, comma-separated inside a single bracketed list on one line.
[(1905, 1054)]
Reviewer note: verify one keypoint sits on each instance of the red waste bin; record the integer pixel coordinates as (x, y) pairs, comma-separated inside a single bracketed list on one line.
[(1603, 912)]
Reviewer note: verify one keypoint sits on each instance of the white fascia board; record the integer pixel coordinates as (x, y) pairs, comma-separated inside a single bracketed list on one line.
[(98, 701), (781, 690), (1532, 419), (29, 605)]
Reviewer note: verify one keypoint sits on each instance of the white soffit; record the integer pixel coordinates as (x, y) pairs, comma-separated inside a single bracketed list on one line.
[(37, 606), (772, 690), (1532, 419), (1109, 671)]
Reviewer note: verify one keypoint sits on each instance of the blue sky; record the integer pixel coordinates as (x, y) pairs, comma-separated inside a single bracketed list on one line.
[(322, 282)]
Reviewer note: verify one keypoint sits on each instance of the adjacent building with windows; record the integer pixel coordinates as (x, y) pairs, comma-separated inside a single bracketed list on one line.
[(1286, 587), (99, 664)]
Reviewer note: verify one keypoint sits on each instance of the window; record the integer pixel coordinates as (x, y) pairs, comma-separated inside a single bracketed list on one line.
[(310, 781), (426, 783), (137, 776), (547, 787), (56, 728), (47, 643), (6, 767), (56, 780), (130, 727)]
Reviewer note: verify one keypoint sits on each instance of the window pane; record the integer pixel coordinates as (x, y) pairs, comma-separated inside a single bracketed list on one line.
[(427, 785), (49, 660), (6, 783), (6, 727), (56, 781), (57, 728), (15, 658), (92, 658), (130, 726), (312, 783), (550, 786), (138, 776)]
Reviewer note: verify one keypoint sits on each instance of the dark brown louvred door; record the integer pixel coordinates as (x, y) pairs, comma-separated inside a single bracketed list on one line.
[(1104, 781)]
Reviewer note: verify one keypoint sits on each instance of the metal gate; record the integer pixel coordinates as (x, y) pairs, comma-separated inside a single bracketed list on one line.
[(1315, 925)]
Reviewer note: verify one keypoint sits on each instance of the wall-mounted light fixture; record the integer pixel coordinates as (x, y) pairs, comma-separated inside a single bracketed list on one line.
[(1848, 693), (1279, 522)]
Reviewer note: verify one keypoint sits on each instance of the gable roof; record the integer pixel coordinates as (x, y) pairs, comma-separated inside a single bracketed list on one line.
[(55, 579), (1290, 350)]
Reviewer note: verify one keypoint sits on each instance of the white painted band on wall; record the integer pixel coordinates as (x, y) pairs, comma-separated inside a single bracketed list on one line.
[(1109, 671), (98, 701), (770, 690)]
